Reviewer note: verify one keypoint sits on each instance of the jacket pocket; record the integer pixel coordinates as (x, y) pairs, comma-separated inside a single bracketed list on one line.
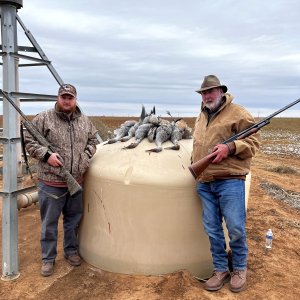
[(48, 169)]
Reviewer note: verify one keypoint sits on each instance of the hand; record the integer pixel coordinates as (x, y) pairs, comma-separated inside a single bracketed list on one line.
[(220, 152), (54, 160)]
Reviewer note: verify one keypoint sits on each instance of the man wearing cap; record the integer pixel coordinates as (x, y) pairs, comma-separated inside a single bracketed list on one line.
[(221, 186), (73, 137)]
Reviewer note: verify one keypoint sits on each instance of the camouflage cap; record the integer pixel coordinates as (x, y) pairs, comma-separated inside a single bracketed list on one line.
[(67, 89)]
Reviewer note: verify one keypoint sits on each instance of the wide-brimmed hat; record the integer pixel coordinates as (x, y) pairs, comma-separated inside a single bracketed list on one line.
[(209, 82), (67, 89)]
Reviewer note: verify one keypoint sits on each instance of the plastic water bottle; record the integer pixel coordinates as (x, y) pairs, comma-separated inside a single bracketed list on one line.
[(269, 239)]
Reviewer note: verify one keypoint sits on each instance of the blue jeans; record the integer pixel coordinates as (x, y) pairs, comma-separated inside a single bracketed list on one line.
[(51, 208), (225, 198)]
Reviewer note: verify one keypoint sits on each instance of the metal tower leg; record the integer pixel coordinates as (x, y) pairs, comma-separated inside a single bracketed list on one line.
[(11, 122), (10, 131)]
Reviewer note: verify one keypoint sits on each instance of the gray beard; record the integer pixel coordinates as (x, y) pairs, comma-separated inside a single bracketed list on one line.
[(213, 107)]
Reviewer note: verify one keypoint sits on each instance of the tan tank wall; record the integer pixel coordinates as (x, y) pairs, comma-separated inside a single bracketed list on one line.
[(142, 214)]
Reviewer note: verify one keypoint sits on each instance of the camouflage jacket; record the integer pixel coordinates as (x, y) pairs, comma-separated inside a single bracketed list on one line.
[(73, 138), (226, 122)]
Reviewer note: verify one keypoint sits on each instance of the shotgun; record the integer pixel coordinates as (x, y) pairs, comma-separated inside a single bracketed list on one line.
[(73, 185), (199, 166)]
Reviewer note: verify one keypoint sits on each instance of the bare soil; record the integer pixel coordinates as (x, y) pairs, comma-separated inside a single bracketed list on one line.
[(272, 274)]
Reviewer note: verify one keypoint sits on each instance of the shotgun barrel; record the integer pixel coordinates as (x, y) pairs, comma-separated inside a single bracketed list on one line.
[(199, 166)]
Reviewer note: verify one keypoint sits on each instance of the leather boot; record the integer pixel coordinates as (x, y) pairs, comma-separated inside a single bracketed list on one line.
[(238, 280), (73, 259), (217, 281), (47, 269)]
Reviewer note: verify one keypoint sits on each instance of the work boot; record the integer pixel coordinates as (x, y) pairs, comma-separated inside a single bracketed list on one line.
[(73, 259), (47, 269), (217, 281), (238, 280)]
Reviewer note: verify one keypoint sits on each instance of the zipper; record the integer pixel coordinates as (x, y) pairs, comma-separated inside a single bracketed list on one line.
[(71, 143)]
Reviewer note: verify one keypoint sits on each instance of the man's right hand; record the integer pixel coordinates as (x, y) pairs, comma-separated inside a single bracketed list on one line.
[(55, 160), (220, 152)]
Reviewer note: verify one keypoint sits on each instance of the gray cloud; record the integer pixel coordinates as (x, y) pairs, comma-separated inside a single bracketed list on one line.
[(121, 54)]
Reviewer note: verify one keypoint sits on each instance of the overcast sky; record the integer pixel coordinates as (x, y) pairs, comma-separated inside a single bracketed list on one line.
[(122, 54)]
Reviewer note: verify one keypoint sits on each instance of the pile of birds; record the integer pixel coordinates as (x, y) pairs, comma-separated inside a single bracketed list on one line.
[(155, 129)]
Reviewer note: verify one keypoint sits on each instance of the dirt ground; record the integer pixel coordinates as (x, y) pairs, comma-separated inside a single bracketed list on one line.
[(272, 274)]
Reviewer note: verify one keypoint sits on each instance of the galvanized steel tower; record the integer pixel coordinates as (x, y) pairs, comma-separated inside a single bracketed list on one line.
[(11, 137)]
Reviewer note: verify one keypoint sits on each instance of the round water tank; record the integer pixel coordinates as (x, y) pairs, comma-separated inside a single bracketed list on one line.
[(142, 214)]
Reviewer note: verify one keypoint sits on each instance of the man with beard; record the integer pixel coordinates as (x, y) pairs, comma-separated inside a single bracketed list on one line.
[(221, 186), (73, 137)]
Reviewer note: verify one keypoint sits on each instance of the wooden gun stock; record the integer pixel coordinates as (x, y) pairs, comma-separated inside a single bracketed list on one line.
[(199, 166)]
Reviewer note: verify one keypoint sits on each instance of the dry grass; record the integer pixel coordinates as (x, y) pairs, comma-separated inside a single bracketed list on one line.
[(285, 124), (291, 198), (283, 170)]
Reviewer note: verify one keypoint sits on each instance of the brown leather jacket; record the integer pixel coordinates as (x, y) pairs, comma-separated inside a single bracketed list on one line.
[(73, 137), (229, 120)]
